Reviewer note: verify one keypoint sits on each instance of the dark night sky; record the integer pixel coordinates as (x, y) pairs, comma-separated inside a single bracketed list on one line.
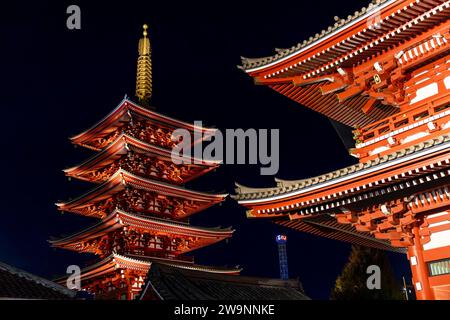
[(57, 82)]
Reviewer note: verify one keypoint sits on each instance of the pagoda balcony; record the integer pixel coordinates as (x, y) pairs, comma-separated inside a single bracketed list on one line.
[(160, 255), (151, 133), (141, 166), (146, 253), (142, 130), (147, 203), (138, 242), (146, 167)]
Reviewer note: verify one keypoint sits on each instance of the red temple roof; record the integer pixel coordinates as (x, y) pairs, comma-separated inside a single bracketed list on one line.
[(313, 71), (123, 113), (386, 72), (122, 178), (365, 176), (122, 145), (118, 219)]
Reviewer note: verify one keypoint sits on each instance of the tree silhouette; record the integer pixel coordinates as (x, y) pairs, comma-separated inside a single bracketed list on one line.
[(352, 283)]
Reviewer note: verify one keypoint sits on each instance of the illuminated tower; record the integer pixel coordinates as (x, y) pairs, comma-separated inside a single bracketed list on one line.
[(282, 255)]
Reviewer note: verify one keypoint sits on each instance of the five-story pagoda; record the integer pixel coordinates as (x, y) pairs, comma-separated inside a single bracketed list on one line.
[(139, 199)]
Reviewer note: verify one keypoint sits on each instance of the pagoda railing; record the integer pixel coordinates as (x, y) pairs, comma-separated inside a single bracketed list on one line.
[(400, 123), (432, 105), (161, 255)]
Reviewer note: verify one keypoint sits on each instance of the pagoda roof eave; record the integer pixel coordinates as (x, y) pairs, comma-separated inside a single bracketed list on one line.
[(127, 105), (286, 189), (119, 218), (138, 263), (121, 178), (120, 145), (107, 224)]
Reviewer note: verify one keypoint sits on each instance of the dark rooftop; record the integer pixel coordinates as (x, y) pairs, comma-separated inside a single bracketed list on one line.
[(170, 283), (18, 284)]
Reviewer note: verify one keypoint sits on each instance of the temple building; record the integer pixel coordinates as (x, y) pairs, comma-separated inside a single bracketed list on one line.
[(385, 72), (139, 200)]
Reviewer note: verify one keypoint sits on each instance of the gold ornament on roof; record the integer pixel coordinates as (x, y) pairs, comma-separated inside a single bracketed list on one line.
[(144, 69)]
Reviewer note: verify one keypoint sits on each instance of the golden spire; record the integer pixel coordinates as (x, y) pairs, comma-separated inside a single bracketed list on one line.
[(144, 70)]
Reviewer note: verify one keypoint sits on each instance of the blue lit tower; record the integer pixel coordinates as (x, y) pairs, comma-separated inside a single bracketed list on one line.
[(282, 254)]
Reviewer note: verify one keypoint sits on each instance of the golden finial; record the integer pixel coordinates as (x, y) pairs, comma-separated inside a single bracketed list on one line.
[(144, 69), (145, 30)]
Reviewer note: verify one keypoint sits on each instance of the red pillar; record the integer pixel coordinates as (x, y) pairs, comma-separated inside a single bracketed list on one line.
[(419, 268)]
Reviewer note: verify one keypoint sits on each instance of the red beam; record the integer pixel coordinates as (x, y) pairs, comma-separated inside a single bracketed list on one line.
[(349, 93), (369, 105)]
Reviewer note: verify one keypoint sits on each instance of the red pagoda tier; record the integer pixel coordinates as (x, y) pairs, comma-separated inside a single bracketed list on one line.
[(140, 201), (127, 233), (130, 192), (385, 72), (138, 122), (145, 159)]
